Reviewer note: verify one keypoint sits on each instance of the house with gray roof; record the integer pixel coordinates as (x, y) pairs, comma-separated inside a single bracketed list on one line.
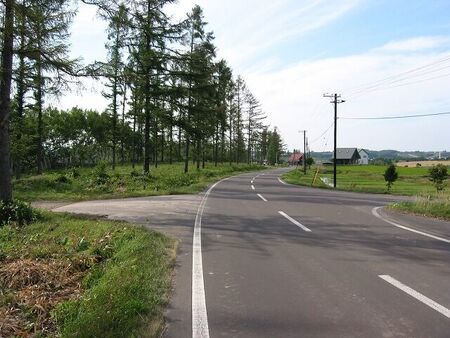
[(364, 157), (347, 156)]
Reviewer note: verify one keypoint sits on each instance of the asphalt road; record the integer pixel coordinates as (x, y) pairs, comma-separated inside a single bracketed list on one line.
[(300, 262)]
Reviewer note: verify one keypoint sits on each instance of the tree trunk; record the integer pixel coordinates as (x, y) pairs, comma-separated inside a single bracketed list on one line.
[(40, 126), (5, 106)]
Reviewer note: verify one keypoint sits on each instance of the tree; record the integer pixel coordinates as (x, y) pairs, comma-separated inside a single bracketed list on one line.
[(390, 176), (116, 39), (438, 175), (5, 106), (274, 147), (309, 161)]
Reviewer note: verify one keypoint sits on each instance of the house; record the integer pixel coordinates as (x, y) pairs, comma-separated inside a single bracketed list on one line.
[(295, 158), (364, 157), (347, 156)]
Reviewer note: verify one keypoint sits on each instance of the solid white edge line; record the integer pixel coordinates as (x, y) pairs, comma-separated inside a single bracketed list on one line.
[(200, 327), (262, 197), (281, 181), (417, 295), (301, 226), (253, 187), (376, 214)]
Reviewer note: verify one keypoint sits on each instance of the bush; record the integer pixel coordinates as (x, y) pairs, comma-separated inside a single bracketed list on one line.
[(16, 213), (438, 175), (100, 174), (62, 179), (74, 172)]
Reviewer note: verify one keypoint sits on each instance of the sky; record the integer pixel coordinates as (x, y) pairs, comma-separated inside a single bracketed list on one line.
[(385, 58)]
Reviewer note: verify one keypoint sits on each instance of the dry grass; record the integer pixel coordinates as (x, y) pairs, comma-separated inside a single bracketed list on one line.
[(423, 163), (31, 288)]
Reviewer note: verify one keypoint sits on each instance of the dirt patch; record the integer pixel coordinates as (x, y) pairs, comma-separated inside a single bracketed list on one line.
[(30, 289), (423, 163)]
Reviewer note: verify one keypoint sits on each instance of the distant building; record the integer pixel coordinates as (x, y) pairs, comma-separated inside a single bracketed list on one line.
[(347, 156), (295, 158), (364, 157)]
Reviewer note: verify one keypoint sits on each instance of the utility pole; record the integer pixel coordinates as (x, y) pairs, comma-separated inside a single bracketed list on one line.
[(336, 100)]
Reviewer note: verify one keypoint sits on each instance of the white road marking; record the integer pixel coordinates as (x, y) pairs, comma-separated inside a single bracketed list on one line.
[(200, 327), (262, 197), (413, 293), (301, 226), (253, 187), (376, 214), (281, 181)]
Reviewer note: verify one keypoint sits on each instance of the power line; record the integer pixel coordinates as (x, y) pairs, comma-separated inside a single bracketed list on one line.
[(326, 131), (394, 117), (396, 76)]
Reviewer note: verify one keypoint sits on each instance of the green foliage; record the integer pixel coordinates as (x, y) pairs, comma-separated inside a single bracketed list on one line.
[(438, 175), (310, 161), (101, 182), (366, 178), (63, 179), (16, 213), (432, 205), (127, 273), (390, 176)]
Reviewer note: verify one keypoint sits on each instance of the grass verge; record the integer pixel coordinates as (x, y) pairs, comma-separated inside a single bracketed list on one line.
[(103, 183), (74, 277), (437, 205)]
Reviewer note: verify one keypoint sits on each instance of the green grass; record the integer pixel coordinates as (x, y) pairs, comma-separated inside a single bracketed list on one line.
[(411, 180), (125, 276), (60, 185), (436, 205)]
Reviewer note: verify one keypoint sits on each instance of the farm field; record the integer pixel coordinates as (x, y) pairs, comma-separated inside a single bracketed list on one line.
[(412, 181), (422, 163), (102, 183)]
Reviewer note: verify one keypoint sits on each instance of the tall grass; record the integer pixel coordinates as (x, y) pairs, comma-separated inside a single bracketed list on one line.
[(435, 205)]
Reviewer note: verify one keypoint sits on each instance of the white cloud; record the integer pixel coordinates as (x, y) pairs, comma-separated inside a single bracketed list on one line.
[(293, 99), (414, 44)]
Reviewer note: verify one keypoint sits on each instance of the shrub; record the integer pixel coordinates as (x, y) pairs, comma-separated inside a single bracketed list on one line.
[(438, 174), (16, 212), (390, 176), (100, 174), (63, 179), (74, 172)]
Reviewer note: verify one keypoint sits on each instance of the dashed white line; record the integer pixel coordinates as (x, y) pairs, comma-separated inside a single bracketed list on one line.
[(253, 187), (376, 214), (262, 197), (417, 295), (301, 226)]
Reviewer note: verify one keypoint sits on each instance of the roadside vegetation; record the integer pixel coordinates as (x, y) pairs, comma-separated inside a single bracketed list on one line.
[(426, 184), (75, 277), (433, 205), (101, 182)]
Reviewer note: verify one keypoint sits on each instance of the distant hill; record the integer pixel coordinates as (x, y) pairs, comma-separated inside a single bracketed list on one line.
[(392, 155)]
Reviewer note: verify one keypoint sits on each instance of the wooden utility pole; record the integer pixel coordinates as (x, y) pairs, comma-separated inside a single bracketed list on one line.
[(336, 100)]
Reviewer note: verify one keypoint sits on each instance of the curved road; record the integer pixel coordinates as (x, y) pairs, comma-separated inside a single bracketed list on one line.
[(283, 261)]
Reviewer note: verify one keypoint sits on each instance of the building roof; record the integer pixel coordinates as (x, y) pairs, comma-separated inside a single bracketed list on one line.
[(347, 154), (361, 150), (295, 157)]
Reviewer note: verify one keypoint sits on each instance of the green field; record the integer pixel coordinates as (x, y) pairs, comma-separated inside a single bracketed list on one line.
[(96, 183), (411, 180), (75, 277)]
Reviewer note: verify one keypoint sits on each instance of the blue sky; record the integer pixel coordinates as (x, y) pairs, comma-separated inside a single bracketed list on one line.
[(292, 51)]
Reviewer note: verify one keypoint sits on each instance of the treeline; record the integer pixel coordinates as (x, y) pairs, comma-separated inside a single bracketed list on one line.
[(170, 99)]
